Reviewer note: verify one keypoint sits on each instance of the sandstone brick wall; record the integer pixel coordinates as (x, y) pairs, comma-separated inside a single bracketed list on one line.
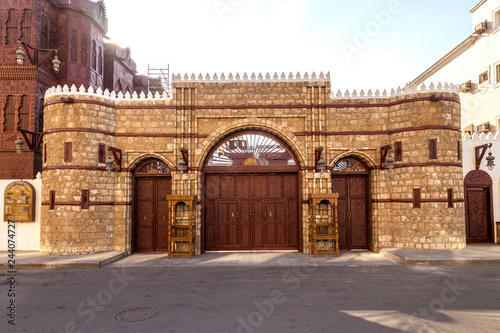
[(300, 112)]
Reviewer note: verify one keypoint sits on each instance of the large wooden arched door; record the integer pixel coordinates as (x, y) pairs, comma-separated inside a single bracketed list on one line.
[(350, 181), (152, 184), (478, 208), (251, 195)]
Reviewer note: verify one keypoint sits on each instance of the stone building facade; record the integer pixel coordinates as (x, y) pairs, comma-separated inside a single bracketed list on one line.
[(252, 147)]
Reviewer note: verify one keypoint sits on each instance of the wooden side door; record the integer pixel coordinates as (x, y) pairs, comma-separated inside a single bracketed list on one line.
[(478, 217), (352, 210), (144, 219), (151, 216)]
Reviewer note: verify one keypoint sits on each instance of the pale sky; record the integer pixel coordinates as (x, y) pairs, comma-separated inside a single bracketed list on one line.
[(364, 44)]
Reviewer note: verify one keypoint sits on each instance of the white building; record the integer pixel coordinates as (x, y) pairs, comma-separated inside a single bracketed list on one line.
[(474, 64)]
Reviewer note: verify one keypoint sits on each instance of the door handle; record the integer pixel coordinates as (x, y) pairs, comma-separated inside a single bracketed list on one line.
[(163, 218), (145, 218), (270, 214), (251, 212), (232, 214)]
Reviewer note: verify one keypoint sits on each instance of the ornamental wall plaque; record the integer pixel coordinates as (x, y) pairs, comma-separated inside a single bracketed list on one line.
[(19, 202)]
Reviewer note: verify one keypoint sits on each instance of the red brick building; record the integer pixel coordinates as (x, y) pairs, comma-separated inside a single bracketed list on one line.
[(76, 29)]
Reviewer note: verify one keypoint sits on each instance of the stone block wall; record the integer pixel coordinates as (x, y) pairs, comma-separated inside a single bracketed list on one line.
[(300, 112)]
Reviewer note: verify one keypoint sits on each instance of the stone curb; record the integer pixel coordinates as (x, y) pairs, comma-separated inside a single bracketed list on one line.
[(408, 261)]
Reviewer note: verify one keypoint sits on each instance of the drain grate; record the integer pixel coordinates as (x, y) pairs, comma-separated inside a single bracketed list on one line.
[(136, 315)]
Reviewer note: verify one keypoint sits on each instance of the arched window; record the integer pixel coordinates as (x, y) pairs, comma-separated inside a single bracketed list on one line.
[(24, 113), (93, 56), (84, 50), (99, 61), (250, 149), (349, 165), (9, 115), (11, 28), (26, 25), (74, 46), (152, 166), (52, 36)]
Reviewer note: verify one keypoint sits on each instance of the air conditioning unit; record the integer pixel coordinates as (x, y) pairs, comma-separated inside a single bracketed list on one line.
[(481, 27), (469, 129), (466, 86), (484, 127)]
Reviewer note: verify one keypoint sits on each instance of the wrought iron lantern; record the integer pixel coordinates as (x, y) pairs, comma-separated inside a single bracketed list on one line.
[(490, 164), (389, 161), (109, 164), (181, 165), (55, 64), (20, 55), (321, 164), (19, 145)]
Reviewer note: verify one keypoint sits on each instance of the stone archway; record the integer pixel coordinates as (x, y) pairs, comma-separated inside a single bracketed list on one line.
[(251, 194), (478, 207)]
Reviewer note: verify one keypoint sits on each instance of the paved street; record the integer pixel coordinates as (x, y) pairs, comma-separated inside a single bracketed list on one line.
[(292, 296)]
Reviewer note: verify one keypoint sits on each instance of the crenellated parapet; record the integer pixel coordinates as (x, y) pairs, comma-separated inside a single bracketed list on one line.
[(411, 89), (251, 78)]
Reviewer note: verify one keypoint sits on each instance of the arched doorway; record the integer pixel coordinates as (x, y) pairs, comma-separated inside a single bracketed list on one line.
[(251, 195), (350, 181), (152, 184), (478, 207)]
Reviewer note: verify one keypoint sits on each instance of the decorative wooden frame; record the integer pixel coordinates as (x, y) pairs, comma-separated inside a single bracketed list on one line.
[(324, 230), (181, 233)]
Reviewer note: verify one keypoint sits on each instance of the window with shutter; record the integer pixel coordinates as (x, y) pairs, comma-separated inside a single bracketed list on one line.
[(433, 149), (67, 151), (398, 151), (416, 198)]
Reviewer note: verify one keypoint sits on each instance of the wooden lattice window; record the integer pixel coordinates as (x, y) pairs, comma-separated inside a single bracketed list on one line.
[(11, 28), (73, 53), (44, 33), (151, 167), (99, 60), (68, 151), (349, 164), (9, 115), (24, 113), (26, 25), (93, 56), (52, 36), (84, 51)]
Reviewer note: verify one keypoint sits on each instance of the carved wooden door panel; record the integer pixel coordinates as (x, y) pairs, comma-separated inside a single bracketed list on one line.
[(163, 188), (151, 220), (144, 227), (352, 210), (477, 215), (265, 209)]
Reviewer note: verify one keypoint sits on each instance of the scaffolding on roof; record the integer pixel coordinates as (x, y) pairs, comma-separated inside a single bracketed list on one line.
[(159, 80)]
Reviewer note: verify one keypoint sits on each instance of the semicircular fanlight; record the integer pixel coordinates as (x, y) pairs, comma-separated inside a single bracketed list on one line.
[(153, 166), (349, 165), (250, 149)]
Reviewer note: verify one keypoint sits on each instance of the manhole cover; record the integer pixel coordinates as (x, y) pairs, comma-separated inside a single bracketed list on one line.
[(136, 315)]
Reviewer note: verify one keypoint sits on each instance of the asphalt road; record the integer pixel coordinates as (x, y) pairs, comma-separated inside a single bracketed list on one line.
[(376, 298)]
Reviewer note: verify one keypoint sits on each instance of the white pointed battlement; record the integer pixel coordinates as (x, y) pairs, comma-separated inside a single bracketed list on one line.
[(73, 90), (251, 78), (411, 89), (480, 136)]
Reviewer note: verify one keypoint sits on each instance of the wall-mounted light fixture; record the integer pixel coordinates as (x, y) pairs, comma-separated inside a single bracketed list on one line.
[(32, 139), (480, 152), (34, 55), (117, 155), (386, 162), (183, 162), (319, 162)]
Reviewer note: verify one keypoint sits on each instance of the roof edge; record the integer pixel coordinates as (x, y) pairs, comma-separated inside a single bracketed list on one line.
[(479, 4), (449, 57)]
